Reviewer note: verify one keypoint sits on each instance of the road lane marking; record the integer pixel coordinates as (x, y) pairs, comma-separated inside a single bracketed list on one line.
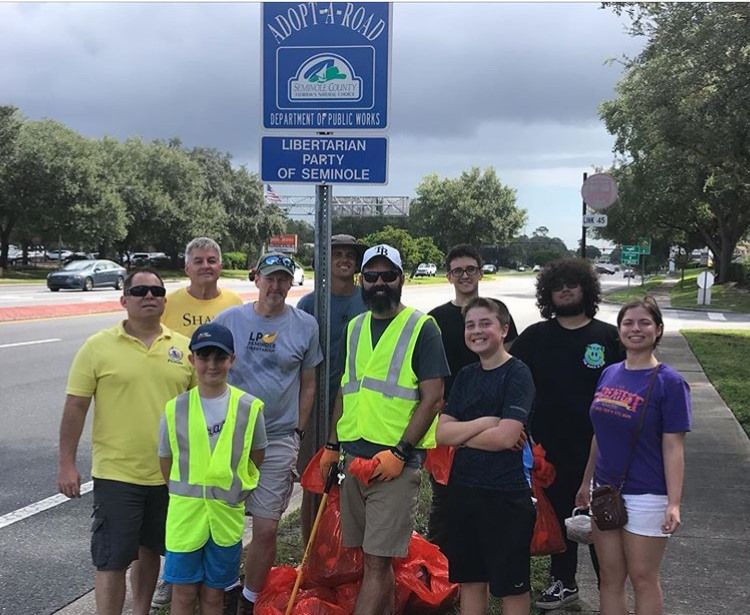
[(40, 506), (716, 316), (32, 342)]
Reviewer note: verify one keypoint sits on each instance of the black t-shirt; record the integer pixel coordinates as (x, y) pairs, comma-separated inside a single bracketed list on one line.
[(451, 323), (566, 365), (506, 392), (428, 362)]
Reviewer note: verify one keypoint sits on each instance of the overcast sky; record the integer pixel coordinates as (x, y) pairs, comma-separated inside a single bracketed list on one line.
[(513, 86)]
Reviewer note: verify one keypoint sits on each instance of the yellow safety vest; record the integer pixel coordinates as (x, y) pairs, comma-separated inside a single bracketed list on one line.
[(379, 386), (207, 490)]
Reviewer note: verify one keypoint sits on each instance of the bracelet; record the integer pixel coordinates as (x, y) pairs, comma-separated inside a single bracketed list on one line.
[(333, 446), (399, 454), (405, 447)]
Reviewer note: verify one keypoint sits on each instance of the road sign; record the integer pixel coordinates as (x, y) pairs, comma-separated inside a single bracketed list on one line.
[(705, 280), (597, 220), (644, 243), (599, 191), (326, 65), (324, 160), (630, 255)]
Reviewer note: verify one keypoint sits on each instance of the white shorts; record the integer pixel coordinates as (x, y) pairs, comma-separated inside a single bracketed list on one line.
[(277, 473), (645, 514)]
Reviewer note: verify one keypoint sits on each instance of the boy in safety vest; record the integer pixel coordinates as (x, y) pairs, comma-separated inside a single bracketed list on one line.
[(211, 445)]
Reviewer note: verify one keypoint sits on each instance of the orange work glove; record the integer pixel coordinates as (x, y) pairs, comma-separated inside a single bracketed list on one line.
[(327, 459), (390, 466)]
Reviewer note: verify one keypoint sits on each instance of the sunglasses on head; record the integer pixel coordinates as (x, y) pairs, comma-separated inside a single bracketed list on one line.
[(558, 286), (142, 290), (275, 259), (387, 276)]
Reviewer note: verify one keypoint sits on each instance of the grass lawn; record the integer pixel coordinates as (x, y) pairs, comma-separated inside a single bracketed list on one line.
[(724, 297), (635, 290), (723, 355)]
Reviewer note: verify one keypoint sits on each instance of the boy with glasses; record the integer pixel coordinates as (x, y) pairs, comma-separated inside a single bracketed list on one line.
[(566, 354), (131, 370), (218, 436)]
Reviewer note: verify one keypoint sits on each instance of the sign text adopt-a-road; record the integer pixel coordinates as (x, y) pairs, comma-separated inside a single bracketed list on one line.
[(326, 65), (318, 160)]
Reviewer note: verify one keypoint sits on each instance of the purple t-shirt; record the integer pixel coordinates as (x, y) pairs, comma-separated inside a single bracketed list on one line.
[(615, 414)]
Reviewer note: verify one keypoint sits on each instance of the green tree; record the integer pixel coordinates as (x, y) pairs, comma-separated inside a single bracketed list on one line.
[(11, 122), (414, 250), (473, 208), (682, 124)]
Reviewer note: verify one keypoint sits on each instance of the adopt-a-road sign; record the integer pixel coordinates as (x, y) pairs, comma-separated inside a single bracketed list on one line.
[(326, 65), (324, 160)]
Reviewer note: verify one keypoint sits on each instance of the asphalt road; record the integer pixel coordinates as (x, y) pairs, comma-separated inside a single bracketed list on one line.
[(44, 559)]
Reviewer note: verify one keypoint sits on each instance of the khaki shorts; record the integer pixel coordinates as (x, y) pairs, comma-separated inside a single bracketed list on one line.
[(379, 518), (271, 497)]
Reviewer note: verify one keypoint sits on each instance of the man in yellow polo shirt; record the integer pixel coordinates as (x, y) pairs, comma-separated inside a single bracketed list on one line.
[(199, 303), (131, 370)]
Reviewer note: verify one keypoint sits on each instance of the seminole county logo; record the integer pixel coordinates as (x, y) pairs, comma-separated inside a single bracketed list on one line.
[(325, 76), (594, 356), (174, 355)]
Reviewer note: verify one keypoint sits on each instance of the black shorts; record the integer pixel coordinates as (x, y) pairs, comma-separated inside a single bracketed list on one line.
[(126, 517), (488, 538)]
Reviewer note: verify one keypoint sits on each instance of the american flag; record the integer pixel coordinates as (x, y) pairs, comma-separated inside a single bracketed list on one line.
[(271, 195)]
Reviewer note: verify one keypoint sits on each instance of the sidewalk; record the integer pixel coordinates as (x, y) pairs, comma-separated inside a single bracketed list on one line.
[(706, 570)]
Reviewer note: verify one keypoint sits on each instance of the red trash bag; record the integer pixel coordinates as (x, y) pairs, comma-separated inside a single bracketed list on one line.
[(438, 462), (424, 574), (346, 596), (311, 479), (362, 469), (330, 563), (548, 537), (317, 606), (274, 597)]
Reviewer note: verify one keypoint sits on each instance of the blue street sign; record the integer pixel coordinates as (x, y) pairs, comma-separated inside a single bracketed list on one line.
[(324, 160), (326, 65)]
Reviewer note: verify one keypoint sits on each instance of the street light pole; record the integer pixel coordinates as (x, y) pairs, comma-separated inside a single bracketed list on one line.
[(583, 228)]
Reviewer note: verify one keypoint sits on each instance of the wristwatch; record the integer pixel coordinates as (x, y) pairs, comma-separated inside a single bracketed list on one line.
[(299, 432)]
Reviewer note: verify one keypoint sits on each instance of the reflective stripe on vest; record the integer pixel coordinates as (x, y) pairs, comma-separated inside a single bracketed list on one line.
[(390, 387), (234, 494)]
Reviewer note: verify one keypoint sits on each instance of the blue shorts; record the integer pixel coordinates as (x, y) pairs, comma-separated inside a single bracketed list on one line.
[(214, 566)]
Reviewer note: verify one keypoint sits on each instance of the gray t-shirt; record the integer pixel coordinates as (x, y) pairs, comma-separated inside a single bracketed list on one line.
[(215, 413), (270, 354)]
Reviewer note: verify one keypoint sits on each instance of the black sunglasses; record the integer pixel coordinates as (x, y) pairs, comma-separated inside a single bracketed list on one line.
[(558, 286), (387, 276), (142, 290), (274, 259)]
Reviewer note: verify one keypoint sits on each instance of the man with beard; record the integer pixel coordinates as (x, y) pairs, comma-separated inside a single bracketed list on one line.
[(566, 353), (385, 410)]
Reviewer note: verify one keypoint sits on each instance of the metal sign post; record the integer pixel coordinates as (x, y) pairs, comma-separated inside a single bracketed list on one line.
[(322, 261)]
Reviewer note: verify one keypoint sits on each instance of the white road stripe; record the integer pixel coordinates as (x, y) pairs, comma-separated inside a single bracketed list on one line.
[(716, 316), (40, 506), (31, 343)]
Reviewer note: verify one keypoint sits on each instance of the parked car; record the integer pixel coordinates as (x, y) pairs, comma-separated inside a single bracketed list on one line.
[(425, 269), (520, 268), (299, 274), (79, 256), (628, 273), (149, 259), (489, 268), (608, 269), (87, 274), (536, 268), (58, 255)]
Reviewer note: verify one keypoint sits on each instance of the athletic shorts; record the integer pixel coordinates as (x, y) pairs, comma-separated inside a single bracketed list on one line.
[(645, 514), (271, 497), (488, 538), (211, 565), (379, 518), (126, 517)]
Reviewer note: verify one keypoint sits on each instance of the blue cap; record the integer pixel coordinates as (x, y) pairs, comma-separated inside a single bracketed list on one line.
[(212, 335)]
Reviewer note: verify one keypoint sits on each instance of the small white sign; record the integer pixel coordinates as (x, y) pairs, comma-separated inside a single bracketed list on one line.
[(595, 220), (706, 280)]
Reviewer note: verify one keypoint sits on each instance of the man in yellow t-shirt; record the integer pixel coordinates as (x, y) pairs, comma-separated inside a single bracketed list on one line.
[(131, 370), (189, 308)]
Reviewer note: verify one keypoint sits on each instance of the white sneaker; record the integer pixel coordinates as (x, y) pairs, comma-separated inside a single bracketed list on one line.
[(162, 595), (557, 595)]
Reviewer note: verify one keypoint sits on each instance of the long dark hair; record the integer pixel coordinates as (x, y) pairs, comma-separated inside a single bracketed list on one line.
[(577, 270), (649, 304)]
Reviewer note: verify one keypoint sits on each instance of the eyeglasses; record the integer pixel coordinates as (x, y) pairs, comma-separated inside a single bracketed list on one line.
[(275, 259), (387, 276), (558, 286), (458, 272), (143, 290)]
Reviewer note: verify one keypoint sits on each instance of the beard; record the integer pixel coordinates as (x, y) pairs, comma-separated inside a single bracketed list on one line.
[(570, 309), (381, 302)]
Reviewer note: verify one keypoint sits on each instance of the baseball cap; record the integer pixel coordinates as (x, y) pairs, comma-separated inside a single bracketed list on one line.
[(386, 251), (275, 261), (212, 335), (349, 241)]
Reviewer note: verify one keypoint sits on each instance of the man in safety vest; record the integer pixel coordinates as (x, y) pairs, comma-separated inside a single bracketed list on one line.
[(216, 436), (385, 410)]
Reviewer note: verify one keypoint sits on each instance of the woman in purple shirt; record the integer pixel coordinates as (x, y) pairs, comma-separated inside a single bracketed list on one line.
[(652, 489)]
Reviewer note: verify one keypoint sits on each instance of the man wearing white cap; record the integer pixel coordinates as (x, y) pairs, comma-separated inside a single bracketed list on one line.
[(386, 409)]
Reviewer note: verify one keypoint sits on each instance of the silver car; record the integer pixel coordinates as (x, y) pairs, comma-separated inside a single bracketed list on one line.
[(87, 274)]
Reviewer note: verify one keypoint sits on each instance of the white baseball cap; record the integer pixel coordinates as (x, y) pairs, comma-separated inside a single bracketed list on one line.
[(386, 251)]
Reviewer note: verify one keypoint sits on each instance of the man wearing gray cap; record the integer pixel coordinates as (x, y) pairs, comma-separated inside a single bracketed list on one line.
[(386, 410), (346, 303), (277, 350)]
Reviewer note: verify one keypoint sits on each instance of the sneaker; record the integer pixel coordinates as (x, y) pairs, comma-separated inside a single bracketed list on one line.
[(244, 606), (556, 595), (162, 595), (231, 598)]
